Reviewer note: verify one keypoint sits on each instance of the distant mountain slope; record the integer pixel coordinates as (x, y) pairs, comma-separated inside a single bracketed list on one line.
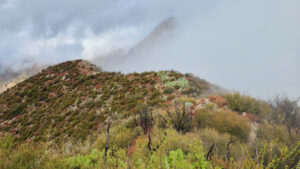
[(164, 28), (4, 85), (10, 77), (73, 99), (159, 33)]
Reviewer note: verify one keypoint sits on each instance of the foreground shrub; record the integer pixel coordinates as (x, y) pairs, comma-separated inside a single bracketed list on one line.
[(267, 159), (180, 118), (23, 156), (287, 112), (269, 132), (224, 121), (119, 137), (6, 143), (220, 141), (175, 151)]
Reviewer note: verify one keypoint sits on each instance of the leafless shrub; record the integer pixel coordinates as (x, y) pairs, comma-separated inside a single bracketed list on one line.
[(180, 118)]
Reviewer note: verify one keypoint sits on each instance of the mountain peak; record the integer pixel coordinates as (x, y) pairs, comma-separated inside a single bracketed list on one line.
[(166, 25), (82, 66)]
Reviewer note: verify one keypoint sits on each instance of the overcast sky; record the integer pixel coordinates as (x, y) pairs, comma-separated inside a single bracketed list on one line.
[(250, 46)]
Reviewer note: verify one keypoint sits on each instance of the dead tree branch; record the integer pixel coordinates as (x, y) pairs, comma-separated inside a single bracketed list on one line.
[(210, 153), (107, 140)]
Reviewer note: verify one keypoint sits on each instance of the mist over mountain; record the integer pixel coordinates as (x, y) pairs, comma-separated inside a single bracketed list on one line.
[(149, 84), (9, 77), (220, 40), (136, 54), (9, 73)]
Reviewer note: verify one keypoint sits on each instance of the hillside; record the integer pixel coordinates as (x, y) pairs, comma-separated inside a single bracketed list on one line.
[(73, 99), (75, 115)]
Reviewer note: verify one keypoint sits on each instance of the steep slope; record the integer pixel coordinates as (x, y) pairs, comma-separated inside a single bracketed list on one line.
[(160, 32), (73, 99), (164, 28)]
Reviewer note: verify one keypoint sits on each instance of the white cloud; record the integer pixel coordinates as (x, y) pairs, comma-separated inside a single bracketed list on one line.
[(251, 46), (106, 43)]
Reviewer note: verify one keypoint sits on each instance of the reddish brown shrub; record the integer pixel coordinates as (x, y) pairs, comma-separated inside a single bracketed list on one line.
[(219, 100)]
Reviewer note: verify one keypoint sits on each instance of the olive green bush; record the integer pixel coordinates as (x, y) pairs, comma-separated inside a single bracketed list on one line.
[(243, 103), (169, 90), (210, 136), (270, 132), (224, 121)]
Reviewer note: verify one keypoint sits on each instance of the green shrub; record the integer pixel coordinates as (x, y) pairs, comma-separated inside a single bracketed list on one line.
[(271, 132), (242, 103), (14, 112), (6, 143), (119, 137), (210, 136), (175, 150), (180, 83), (84, 161), (169, 90), (22, 156), (224, 121), (183, 100), (265, 158)]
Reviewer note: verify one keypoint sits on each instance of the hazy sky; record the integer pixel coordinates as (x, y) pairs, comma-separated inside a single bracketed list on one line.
[(251, 46)]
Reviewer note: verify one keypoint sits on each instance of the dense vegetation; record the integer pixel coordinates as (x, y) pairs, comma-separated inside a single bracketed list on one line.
[(73, 100), (74, 115)]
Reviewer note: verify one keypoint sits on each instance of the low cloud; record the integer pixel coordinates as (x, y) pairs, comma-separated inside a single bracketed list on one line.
[(250, 46)]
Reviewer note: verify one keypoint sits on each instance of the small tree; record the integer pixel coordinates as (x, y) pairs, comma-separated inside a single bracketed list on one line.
[(180, 119), (146, 120), (286, 112)]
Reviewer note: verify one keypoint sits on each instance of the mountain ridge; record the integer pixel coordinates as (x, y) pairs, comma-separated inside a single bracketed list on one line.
[(74, 98)]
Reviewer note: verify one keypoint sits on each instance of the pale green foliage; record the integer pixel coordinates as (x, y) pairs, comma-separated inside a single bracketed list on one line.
[(84, 161), (180, 160), (173, 83), (180, 83), (164, 76)]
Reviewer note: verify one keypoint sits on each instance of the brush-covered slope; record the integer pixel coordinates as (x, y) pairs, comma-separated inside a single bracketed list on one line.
[(73, 99)]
